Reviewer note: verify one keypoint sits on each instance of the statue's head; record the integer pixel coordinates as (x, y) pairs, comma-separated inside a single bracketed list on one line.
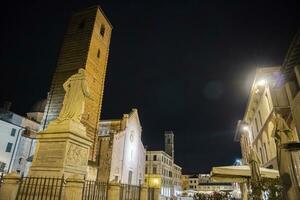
[(81, 71)]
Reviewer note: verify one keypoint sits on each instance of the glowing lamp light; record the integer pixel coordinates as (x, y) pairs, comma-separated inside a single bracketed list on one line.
[(156, 181), (261, 82), (246, 128)]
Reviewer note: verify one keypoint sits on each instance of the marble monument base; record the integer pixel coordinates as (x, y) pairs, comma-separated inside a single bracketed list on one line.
[(62, 149)]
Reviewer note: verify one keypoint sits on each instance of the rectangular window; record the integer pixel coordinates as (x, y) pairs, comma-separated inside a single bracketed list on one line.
[(265, 148), (256, 125), (13, 132), (260, 118), (129, 177), (154, 170), (146, 157), (8, 147), (146, 170), (154, 157), (261, 155)]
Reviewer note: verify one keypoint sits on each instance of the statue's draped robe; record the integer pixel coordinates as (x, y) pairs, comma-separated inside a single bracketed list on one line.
[(73, 105), (282, 135)]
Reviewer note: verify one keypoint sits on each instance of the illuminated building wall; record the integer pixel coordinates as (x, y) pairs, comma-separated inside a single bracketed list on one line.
[(160, 167), (255, 130), (86, 45), (122, 154)]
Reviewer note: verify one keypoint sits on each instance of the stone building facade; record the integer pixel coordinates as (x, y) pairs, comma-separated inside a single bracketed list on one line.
[(201, 183), (255, 130), (17, 142), (161, 170), (274, 90), (122, 153)]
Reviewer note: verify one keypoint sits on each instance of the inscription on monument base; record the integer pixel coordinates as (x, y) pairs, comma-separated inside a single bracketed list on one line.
[(50, 154)]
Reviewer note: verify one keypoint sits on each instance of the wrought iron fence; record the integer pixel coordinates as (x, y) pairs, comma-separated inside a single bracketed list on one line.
[(130, 192), (94, 190), (40, 188)]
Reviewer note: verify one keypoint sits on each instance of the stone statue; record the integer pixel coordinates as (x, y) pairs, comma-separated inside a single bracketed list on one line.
[(281, 132), (77, 90)]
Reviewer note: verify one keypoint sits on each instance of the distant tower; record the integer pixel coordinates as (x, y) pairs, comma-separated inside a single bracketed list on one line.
[(86, 45), (169, 143)]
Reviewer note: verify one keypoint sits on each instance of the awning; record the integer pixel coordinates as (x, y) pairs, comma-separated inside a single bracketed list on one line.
[(239, 174)]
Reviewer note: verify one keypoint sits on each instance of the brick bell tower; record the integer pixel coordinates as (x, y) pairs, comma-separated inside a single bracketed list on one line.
[(169, 143), (86, 45)]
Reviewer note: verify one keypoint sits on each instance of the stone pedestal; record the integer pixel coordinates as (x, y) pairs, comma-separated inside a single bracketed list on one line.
[(74, 188), (9, 187), (62, 149), (114, 191)]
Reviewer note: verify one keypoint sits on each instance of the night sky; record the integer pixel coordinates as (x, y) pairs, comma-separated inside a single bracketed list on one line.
[(187, 66)]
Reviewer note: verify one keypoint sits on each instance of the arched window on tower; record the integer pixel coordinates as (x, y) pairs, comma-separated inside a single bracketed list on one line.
[(98, 53), (102, 30), (81, 24)]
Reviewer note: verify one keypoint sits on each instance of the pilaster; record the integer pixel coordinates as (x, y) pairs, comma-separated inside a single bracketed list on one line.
[(9, 187)]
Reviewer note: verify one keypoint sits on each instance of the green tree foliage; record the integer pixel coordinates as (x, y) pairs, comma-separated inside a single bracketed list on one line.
[(214, 196), (270, 187)]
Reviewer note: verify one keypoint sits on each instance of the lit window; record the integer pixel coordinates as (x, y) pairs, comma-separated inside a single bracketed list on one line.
[(8, 147)]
